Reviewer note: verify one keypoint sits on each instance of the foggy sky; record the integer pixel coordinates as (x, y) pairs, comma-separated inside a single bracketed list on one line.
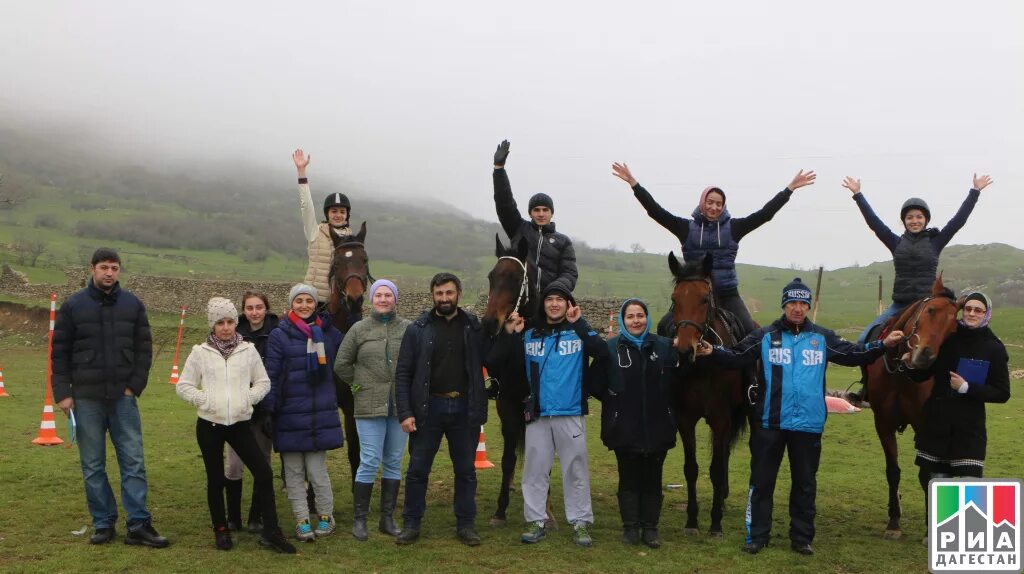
[(410, 98)]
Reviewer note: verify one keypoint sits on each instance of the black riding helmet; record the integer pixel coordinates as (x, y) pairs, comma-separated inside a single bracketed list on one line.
[(337, 200), (915, 203)]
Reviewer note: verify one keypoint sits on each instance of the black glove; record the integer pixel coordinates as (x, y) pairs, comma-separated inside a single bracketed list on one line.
[(501, 154), (493, 388)]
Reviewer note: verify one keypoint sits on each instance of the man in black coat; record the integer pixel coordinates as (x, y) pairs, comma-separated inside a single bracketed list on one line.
[(439, 391), (102, 352), (551, 251)]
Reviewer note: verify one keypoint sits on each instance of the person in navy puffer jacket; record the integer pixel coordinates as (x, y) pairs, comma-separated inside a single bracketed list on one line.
[(790, 411), (303, 405)]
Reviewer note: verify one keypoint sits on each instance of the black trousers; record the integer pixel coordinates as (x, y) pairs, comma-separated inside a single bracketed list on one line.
[(211, 438), (766, 450), (640, 493)]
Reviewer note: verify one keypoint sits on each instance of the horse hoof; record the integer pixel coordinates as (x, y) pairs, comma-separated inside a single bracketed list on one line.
[(495, 521), (892, 535), (718, 534), (691, 531)]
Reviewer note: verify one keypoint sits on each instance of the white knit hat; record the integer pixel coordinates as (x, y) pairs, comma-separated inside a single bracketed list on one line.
[(220, 308)]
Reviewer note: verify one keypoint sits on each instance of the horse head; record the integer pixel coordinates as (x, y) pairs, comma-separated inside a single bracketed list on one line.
[(926, 325), (350, 269), (693, 303), (511, 285)]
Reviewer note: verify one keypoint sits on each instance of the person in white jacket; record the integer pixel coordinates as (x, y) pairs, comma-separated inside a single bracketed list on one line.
[(223, 378)]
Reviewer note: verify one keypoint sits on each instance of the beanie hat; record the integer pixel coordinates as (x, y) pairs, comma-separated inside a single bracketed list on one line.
[(984, 300), (542, 200), (556, 288), (220, 308), (299, 289), (384, 283), (704, 196), (797, 290), (916, 203), (337, 200)]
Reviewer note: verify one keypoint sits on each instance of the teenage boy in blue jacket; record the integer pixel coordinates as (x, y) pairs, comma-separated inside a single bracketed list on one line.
[(790, 409)]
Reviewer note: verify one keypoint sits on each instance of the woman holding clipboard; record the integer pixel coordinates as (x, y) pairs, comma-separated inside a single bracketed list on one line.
[(972, 369)]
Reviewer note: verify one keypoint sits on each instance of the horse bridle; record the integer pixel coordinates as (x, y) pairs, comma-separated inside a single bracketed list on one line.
[(900, 365), (523, 285), (364, 279), (702, 328)]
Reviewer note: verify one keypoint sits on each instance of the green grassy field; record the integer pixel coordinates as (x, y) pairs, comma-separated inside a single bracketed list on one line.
[(42, 500)]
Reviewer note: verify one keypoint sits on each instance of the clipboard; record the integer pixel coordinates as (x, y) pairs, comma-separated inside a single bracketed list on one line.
[(974, 371)]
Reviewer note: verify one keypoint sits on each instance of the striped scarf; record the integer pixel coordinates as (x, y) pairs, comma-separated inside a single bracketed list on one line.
[(316, 354)]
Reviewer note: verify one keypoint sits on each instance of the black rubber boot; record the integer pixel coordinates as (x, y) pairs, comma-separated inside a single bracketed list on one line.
[(388, 499), (361, 492), (650, 511), (629, 510), (233, 494)]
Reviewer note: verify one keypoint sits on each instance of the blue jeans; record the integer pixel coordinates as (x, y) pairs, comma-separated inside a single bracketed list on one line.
[(447, 418), (121, 417), (381, 439), (893, 310)]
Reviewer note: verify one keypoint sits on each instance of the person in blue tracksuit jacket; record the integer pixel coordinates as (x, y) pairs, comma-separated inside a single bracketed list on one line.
[(557, 354), (790, 409)]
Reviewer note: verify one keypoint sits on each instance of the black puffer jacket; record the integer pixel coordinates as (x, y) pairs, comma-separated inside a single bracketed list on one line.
[(954, 423), (557, 260), (260, 336), (412, 373), (101, 345)]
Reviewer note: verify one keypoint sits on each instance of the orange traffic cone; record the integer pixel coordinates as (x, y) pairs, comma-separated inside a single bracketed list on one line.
[(48, 426), (174, 375), (3, 393), (481, 453)]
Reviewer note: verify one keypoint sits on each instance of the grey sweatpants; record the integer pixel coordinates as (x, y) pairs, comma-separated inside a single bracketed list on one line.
[(312, 466), (566, 436)]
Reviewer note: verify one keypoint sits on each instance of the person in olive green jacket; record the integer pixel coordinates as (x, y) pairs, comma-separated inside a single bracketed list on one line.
[(366, 362)]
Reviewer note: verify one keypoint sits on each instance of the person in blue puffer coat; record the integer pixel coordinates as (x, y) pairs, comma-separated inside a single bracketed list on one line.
[(303, 405), (790, 410), (713, 230)]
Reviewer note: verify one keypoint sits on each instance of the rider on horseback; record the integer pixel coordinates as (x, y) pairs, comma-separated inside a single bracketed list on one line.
[(320, 248), (714, 231), (551, 251), (915, 254)]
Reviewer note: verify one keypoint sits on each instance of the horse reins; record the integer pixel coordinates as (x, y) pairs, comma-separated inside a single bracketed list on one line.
[(900, 365), (364, 279), (708, 319)]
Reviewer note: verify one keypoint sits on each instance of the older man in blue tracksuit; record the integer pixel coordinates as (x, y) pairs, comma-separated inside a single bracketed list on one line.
[(556, 353), (791, 409)]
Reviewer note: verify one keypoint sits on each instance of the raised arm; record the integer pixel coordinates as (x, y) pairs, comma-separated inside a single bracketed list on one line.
[(744, 225), (884, 234), (960, 218), (306, 207), (504, 204), (678, 226)]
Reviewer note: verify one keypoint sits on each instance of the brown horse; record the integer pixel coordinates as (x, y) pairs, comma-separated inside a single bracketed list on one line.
[(896, 400), (709, 392), (348, 278), (511, 289)]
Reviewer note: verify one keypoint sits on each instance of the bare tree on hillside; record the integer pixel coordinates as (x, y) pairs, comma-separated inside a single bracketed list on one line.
[(29, 251)]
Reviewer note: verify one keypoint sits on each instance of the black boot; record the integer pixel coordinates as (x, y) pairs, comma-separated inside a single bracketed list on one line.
[(629, 510), (361, 492), (254, 524), (650, 512), (233, 493), (388, 498)]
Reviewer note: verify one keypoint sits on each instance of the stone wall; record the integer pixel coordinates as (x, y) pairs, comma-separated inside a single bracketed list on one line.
[(169, 294)]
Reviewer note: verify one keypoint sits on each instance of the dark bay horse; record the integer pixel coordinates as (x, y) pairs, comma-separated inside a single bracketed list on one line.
[(511, 288), (349, 278), (896, 400), (709, 392)]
